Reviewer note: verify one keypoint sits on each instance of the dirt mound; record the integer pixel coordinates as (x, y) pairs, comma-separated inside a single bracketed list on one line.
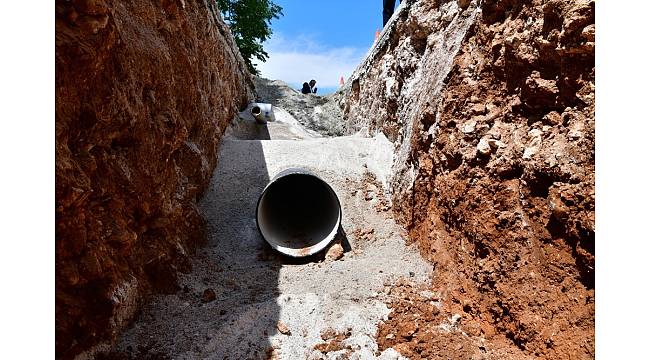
[(318, 113), (494, 126), (144, 90)]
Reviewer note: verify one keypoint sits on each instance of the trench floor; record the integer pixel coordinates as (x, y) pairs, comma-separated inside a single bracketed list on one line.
[(268, 306)]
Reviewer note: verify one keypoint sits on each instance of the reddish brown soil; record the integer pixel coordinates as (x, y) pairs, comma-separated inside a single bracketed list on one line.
[(333, 341), (144, 90), (504, 199), (418, 329)]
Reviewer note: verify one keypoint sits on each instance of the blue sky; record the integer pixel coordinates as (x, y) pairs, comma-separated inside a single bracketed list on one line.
[(323, 40)]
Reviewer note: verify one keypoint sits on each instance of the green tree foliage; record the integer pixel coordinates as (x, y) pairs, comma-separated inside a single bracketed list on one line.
[(250, 24)]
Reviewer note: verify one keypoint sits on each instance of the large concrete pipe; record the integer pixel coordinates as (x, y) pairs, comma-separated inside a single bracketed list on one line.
[(298, 213)]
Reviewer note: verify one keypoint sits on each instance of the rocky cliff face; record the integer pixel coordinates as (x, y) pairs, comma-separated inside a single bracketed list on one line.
[(144, 90), (491, 109)]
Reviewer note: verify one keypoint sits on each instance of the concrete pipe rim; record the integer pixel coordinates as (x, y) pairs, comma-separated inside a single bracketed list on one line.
[(318, 246)]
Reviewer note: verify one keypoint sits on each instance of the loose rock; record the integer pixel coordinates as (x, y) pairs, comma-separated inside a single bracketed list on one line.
[(534, 144), (334, 253), (495, 144), (283, 328), (483, 147), (208, 296), (469, 127)]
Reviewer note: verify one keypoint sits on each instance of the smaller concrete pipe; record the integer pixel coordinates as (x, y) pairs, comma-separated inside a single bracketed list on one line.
[(262, 112), (298, 213)]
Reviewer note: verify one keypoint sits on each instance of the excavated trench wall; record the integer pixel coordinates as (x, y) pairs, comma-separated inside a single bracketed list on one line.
[(144, 90), (490, 105)]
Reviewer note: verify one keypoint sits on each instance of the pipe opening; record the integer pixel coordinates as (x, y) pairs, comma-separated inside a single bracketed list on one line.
[(298, 214), (256, 110)]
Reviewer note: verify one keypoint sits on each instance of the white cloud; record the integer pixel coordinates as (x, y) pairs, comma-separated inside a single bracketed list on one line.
[(300, 59)]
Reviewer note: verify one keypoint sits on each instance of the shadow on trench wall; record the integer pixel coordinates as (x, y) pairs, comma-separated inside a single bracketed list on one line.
[(226, 308)]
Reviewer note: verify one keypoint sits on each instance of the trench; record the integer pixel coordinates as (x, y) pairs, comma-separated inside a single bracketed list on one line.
[(256, 288), (305, 256), (260, 303)]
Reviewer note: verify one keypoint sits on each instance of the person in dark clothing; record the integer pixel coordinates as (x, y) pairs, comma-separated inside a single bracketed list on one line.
[(389, 8), (305, 88), (312, 86)]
